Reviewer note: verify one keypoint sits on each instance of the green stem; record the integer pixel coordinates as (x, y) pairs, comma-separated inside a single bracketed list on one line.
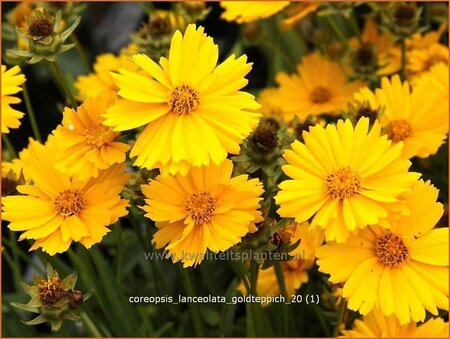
[(356, 28), (22, 255), (339, 318), (134, 220), (31, 116), (9, 145), (195, 312), (81, 51), (336, 29), (15, 269), (242, 272), (90, 325), (403, 66), (63, 81), (281, 282), (119, 254), (322, 321)]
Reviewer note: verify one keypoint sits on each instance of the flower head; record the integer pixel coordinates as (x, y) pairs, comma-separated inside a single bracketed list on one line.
[(86, 146), (320, 86), (421, 60), (401, 271), (57, 209), (100, 80), (54, 299), (346, 177), (12, 79), (185, 94), (247, 11), (45, 35), (203, 210), (376, 325), (417, 117)]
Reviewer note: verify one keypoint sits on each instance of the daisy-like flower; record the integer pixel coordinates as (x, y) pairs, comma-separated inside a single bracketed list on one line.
[(193, 110), (437, 82), (417, 117), (388, 54), (401, 271), (94, 83), (320, 86), (203, 210), (247, 11), (85, 145), (57, 209), (295, 271), (11, 81), (376, 325), (269, 107), (347, 178), (421, 60)]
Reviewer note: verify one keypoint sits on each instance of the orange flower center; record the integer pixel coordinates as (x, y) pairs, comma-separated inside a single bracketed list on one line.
[(99, 135), (343, 183), (183, 99), (50, 290), (69, 202), (319, 95), (201, 207), (391, 250), (399, 130)]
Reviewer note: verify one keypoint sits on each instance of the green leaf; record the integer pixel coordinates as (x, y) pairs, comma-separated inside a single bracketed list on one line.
[(69, 282), (67, 32), (25, 307), (40, 319)]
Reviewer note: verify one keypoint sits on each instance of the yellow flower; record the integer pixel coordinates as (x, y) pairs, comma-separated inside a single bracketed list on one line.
[(437, 81), (21, 164), (203, 210), (19, 12), (401, 271), (11, 81), (421, 60), (269, 107), (247, 11), (57, 209), (295, 271), (296, 12), (347, 178), (418, 117), (423, 41), (376, 325), (85, 145), (192, 110), (92, 84), (388, 54), (320, 86)]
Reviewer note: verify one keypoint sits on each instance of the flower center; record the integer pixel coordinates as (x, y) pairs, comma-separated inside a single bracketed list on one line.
[(69, 202), (343, 183), (40, 28), (391, 250), (99, 135), (320, 95), (50, 290), (183, 99), (201, 207), (399, 130)]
